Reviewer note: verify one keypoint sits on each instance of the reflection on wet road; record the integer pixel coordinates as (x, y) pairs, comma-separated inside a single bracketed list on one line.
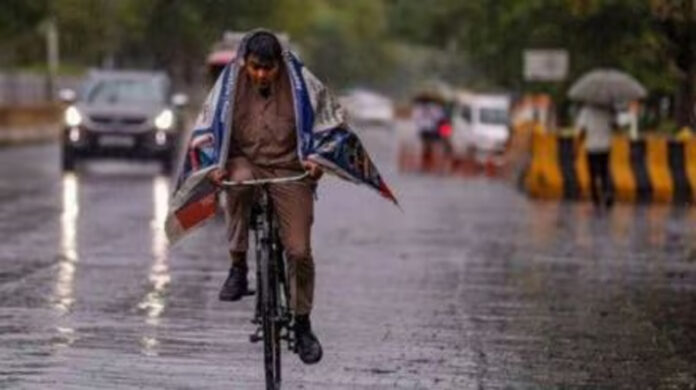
[(472, 286), (68, 247), (154, 302)]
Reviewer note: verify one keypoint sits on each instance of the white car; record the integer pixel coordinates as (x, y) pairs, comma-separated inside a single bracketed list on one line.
[(364, 106), (480, 123)]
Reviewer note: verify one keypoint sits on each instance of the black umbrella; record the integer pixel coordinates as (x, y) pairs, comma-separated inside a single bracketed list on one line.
[(606, 87)]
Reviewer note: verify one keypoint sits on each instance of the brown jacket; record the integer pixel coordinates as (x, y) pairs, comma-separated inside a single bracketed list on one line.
[(263, 129)]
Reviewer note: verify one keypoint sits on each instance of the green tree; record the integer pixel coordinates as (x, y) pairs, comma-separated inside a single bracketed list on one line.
[(676, 20), (341, 41), (20, 38), (654, 40)]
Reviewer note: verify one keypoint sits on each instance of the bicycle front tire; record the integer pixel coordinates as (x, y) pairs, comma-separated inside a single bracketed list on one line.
[(270, 315)]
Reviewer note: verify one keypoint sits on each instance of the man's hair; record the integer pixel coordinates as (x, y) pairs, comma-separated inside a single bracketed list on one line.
[(265, 47)]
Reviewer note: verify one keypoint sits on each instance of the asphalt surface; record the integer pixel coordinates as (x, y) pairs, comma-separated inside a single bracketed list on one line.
[(471, 286)]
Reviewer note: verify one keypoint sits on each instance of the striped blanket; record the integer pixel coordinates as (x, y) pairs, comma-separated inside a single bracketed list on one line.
[(322, 133)]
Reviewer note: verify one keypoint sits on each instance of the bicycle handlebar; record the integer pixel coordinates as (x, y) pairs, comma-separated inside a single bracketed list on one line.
[(258, 182)]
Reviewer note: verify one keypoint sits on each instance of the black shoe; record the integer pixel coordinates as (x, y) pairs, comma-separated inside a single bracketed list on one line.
[(236, 286), (308, 346)]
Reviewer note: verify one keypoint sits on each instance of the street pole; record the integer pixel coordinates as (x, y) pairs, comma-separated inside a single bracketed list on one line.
[(52, 57)]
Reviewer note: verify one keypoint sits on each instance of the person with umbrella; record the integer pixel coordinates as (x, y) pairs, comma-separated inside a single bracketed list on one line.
[(600, 91), (595, 123)]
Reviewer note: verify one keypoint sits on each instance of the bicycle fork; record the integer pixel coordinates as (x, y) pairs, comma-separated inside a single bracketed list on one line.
[(284, 318)]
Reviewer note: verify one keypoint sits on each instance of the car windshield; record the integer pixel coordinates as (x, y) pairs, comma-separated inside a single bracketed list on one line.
[(494, 116), (125, 91)]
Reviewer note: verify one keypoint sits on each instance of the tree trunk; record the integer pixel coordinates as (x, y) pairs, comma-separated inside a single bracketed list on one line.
[(685, 99), (686, 61)]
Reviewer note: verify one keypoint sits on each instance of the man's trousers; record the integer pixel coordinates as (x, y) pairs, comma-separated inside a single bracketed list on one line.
[(293, 203)]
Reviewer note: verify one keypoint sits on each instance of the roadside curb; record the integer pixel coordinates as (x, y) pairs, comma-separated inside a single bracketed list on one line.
[(13, 136)]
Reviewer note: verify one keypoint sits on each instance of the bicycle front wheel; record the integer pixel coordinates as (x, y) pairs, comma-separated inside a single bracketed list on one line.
[(270, 316)]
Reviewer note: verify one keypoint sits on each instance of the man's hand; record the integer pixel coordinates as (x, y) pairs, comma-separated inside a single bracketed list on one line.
[(217, 176), (315, 171)]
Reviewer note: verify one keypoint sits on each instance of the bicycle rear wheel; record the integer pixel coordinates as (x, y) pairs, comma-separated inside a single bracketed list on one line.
[(270, 312)]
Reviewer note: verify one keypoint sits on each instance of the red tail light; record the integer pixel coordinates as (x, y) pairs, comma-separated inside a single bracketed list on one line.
[(445, 129)]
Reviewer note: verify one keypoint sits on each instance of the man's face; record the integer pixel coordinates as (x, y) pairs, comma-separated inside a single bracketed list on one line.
[(261, 73)]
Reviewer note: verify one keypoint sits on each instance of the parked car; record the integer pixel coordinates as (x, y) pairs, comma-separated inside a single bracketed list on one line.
[(480, 123), (130, 114), (368, 107)]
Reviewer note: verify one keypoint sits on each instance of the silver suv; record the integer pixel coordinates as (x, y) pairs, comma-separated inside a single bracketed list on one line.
[(129, 114)]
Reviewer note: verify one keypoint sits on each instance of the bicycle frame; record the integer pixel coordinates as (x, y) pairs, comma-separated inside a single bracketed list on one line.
[(272, 316)]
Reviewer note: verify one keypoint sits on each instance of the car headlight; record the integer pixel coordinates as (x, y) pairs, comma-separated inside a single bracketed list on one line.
[(73, 117), (164, 120), (74, 135)]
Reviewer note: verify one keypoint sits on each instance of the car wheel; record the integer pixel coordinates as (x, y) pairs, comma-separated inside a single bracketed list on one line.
[(68, 159), (167, 164)]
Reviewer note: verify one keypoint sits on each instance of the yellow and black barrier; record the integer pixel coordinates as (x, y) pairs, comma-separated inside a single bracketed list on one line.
[(650, 169)]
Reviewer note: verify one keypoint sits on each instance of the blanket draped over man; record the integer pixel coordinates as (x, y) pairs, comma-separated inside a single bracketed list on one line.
[(322, 134)]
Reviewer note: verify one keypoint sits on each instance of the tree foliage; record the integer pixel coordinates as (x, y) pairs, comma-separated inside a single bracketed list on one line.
[(474, 42), (651, 39), (19, 19)]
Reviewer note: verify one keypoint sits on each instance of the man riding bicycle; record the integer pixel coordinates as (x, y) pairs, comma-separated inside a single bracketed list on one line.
[(264, 145), (267, 117)]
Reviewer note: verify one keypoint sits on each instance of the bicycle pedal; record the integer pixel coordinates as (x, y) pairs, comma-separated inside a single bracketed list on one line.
[(254, 338), (249, 293)]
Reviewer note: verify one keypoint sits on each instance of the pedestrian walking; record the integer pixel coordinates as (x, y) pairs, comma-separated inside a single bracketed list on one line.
[(595, 123)]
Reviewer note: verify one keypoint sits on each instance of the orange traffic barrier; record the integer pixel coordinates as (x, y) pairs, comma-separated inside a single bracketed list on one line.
[(658, 169), (543, 178), (621, 172)]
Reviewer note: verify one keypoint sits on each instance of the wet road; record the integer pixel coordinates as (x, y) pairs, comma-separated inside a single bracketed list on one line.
[(472, 286)]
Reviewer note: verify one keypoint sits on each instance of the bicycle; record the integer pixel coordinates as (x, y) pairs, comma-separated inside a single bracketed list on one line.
[(272, 314)]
